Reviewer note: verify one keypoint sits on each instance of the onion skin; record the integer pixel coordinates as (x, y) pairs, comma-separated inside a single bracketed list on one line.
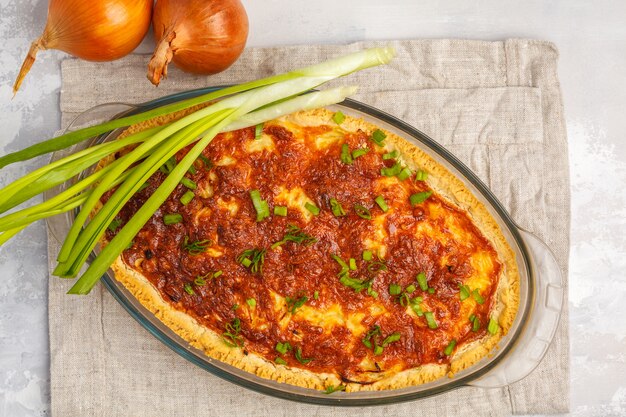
[(199, 36), (102, 30)]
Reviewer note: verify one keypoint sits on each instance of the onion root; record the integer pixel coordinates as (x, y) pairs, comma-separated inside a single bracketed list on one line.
[(163, 55), (36, 46)]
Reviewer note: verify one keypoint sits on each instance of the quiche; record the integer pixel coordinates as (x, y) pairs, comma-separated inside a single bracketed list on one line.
[(322, 251)]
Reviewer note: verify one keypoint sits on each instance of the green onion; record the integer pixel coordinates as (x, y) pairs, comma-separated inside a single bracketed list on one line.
[(115, 224), (340, 261), (231, 334), (172, 218), (187, 197), (197, 247), (188, 289), (393, 337), (312, 208), (192, 170), (394, 289), (431, 290), (356, 284), (404, 174), (253, 259), (217, 274), (415, 306), (359, 152), (410, 289), (378, 136), (261, 206), (475, 324), (199, 281), (391, 171), (430, 319), (378, 350), (251, 302), (367, 340), (362, 212), (421, 175), (381, 203), (234, 307), (472, 317), (419, 197), (376, 266), (464, 292), (294, 234), (258, 131), (367, 255), (339, 117), (280, 211), (282, 348), (390, 155), (493, 327), (450, 348), (280, 361), (206, 161), (169, 165), (188, 183), (336, 208), (295, 303), (421, 280), (331, 388), (316, 295), (353, 264), (477, 297), (346, 156), (298, 354)]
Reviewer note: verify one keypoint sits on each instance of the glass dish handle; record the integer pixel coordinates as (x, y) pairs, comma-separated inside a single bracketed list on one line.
[(546, 308), (59, 225)]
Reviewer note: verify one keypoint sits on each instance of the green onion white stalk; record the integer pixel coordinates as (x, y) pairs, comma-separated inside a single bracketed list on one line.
[(239, 106)]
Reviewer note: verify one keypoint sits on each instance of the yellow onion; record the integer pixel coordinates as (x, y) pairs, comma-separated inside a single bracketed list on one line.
[(94, 30), (199, 36)]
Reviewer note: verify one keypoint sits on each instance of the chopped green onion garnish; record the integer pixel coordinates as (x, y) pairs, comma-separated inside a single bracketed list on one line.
[(367, 255), (404, 174), (431, 290), (217, 274), (450, 348), (346, 156), (206, 161), (394, 289), (187, 197), (188, 183), (359, 152), (253, 259), (421, 280), (464, 292), (493, 327), (280, 361), (231, 336), (415, 306), (419, 197), (298, 354), (169, 165), (362, 212), (336, 208), (258, 130), (378, 136), (475, 324), (312, 208), (251, 302), (197, 247), (280, 211), (199, 281), (393, 337), (331, 388), (378, 350), (373, 333), (339, 117), (172, 218), (282, 348), (371, 292), (410, 289), (261, 207), (295, 303), (235, 307), (391, 171), (430, 319), (192, 170), (381, 203), (353, 264), (390, 155), (316, 295), (421, 175), (188, 289), (472, 317), (115, 223), (340, 261), (294, 234), (476, 296)]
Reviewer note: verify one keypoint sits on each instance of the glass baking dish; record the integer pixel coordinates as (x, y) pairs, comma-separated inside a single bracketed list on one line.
[(518, 353)]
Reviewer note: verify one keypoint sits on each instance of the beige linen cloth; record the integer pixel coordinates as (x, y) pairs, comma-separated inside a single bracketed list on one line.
[(496, 105)]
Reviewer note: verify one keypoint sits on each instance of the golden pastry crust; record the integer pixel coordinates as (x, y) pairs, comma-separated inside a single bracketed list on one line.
[(440, 180)]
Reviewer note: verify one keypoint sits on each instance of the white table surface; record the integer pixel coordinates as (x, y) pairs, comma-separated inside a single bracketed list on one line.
[(591, 37)]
